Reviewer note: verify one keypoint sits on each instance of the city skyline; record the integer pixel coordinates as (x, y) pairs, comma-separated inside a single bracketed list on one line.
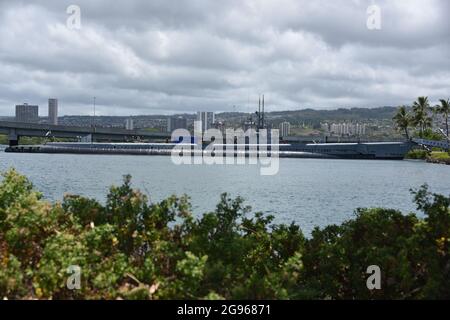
[(153, 58), (44, 111)]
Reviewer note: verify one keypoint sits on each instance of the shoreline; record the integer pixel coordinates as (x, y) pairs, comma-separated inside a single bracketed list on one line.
[(437, 161)]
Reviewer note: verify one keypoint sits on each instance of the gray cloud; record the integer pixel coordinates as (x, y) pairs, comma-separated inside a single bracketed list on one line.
[(143, 57)]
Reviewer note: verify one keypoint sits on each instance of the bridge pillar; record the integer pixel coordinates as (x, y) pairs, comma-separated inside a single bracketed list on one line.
[(13, 138), (87, 138), (13, 143)]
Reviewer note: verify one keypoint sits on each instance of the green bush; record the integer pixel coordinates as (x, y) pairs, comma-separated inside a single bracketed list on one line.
[(417, 154), (440, 155), (429, 134), (130, 248)]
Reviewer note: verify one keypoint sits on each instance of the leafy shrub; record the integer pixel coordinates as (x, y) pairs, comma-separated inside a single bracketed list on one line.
[(417, 154), (130, 248), (429, 134)]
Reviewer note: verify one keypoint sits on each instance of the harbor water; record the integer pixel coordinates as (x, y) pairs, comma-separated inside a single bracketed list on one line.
[(310, 192)]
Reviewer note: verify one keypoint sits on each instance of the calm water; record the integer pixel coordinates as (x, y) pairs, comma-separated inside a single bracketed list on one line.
[(308, 191)]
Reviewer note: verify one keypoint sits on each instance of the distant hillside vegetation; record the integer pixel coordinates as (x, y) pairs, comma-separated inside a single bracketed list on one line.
[(317, 116)]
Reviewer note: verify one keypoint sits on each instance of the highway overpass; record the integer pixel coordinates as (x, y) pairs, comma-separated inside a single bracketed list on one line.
[(15, 130)]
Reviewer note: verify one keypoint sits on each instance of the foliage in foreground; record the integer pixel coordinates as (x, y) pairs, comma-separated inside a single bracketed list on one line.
[(130, 248)]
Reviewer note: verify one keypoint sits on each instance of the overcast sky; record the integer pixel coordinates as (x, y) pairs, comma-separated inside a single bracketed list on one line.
[(163, 57)]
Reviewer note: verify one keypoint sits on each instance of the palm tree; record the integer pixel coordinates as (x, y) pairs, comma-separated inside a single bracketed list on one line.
[(444, 110), (421, 109), (403, 120)]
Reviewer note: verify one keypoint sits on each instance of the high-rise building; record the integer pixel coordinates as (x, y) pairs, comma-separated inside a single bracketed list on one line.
[(53, 111), (285, 129), (207, 119), (174, 123), (129, 124), (27, 113)]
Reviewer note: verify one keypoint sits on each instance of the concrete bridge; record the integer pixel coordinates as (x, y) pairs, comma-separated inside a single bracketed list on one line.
[(15, 130)]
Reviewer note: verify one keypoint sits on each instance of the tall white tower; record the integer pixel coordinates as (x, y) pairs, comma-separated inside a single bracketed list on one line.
[(53, 111)]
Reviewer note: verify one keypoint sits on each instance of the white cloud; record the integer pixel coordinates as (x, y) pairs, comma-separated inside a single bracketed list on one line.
[(141, 57)]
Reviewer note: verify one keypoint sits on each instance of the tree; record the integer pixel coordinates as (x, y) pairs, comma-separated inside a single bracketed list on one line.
[(403, 120), (444, 110), (421, 109)]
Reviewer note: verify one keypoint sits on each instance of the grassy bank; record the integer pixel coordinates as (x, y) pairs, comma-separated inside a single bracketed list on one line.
[(130, 248), (439, 157), (433, 156), (24, 140), (33, 140)]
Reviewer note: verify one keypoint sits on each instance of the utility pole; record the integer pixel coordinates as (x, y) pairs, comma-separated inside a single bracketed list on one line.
[(258, 126), (93, 119), (93, 124), (263, 112)]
